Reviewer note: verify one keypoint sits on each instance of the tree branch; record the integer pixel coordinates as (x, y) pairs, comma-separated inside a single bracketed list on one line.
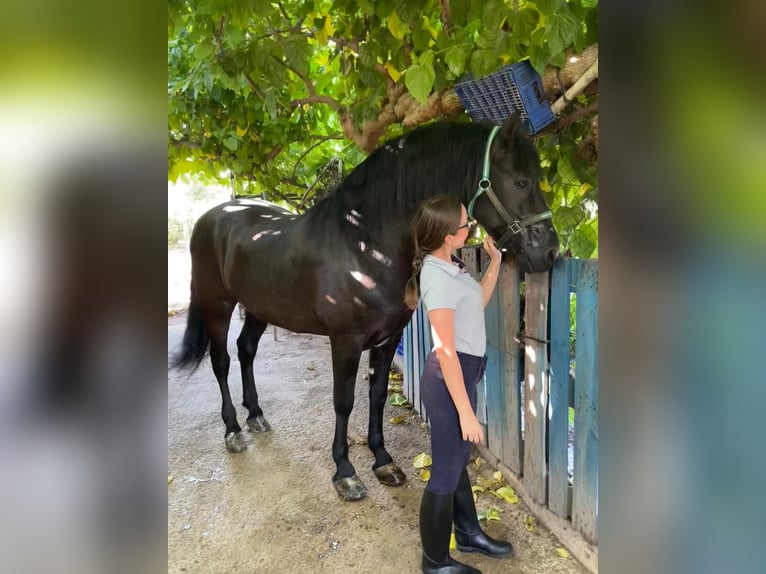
[(576, 88), (316, 99), (273, 153), (320, 141), (578, 114), (446, 17), (185, 143)]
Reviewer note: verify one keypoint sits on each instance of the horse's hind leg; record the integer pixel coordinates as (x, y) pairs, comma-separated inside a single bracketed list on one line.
[(386, 470), (218, 317), (247, 345)]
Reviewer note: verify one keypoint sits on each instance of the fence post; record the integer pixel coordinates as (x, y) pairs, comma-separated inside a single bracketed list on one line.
[(535, 384), (510, 310), (585, 487), (558, 412)]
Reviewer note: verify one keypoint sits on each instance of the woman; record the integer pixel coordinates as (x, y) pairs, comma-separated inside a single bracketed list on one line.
[(455, 304)]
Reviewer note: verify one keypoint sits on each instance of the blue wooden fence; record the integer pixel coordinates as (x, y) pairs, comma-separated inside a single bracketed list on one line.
[(527, 391)]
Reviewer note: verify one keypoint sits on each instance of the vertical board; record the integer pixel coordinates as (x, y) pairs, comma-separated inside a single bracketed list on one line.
[(424, 338), (417, 366), (471, 259), (407, 386), (493, 379), (510, 321), (558, 409), (584, 497), (536, 385)]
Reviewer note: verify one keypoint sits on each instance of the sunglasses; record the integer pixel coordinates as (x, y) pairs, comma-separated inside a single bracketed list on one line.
[(469, 225)]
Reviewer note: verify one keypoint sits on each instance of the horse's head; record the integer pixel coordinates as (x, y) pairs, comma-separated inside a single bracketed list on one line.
[(510, 205)]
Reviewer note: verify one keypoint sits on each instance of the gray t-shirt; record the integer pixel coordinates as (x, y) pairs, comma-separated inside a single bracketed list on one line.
[(446, 286)]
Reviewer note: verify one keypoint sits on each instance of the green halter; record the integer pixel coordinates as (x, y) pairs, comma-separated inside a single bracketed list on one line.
[(515, 225)]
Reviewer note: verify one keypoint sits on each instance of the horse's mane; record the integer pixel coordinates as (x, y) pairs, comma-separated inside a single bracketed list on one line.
[(440, 158)]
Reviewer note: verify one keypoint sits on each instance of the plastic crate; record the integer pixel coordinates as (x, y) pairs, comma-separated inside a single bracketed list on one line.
[(515, 87)]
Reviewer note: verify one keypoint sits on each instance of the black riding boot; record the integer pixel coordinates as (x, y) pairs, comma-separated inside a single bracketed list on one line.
[(435, 530), (468, 534)]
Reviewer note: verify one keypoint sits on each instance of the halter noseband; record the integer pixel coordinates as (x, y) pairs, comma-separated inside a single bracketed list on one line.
[(515, 225)]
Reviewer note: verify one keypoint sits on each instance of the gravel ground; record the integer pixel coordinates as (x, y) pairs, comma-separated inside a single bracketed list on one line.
[(273, 509)]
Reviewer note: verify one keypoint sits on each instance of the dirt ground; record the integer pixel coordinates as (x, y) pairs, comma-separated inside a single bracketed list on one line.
[(273, 509)]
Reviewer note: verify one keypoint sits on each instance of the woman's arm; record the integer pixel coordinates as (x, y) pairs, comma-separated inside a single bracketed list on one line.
[(489, 281), (443, 325)]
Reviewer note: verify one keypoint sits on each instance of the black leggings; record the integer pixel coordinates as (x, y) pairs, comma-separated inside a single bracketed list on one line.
[(450, 454)]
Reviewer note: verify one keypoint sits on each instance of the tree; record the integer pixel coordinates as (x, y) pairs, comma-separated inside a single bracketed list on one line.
[(273, 91)]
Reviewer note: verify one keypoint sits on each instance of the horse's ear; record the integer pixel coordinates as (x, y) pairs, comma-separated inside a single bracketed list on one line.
[(510, 126)]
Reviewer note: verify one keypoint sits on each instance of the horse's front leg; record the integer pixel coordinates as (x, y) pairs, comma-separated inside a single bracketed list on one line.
[(387, 471), (346, 351)]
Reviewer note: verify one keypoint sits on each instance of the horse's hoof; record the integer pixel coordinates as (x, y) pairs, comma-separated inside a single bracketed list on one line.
[(350, 488), (235, 442), (390, 474), (258, 424)]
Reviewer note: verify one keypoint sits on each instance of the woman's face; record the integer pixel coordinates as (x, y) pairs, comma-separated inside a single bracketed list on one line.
[(459, 237)]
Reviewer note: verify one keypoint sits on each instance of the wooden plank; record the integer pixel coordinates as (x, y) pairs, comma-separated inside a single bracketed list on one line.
[(423, 349), (492, 319), (586, 553), (535, 385), (417, 366), (558, 411), (496, 404), (510, 312), (585, 482), (407, 384)]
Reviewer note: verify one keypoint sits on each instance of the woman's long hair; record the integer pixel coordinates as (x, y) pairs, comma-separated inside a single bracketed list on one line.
[(434, 219)]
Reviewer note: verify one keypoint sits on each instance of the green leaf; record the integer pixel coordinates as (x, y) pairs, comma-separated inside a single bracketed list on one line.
[(561, 29), (298, 53), (422, 460), (396, 26), (419, 80), (490, 513), (507, 494), (483, 62), (397, 401), (397, 420), (455, 57), (523, 22), (231, 143), (493, 14)]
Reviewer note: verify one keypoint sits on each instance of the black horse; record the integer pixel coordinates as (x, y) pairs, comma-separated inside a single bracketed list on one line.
[(340, 269)]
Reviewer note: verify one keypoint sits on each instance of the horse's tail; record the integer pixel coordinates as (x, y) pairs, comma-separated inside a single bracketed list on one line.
[(195, 343)]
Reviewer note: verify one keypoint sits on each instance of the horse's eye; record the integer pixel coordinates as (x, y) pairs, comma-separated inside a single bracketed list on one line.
[(521, 183)]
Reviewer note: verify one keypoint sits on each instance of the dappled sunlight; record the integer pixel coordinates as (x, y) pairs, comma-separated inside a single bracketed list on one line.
[(532, 381), (365, 280), (356, 214), (260, 234), (351, 219), (358, 301), (330, 299), (378, 256), (277, 232), (236, 207), (532, 408), (529, 350), (375, 254), (253, 202), (265, 215)]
